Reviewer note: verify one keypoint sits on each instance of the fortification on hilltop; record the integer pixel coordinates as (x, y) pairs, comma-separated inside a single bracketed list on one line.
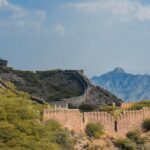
[(92, 94), (74, 120), (58, 87)]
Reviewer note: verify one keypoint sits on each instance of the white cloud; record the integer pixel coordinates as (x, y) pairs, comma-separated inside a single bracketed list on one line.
[(41, 14), (14, 15), (60, 29), (3, 2), (144, 13), (123, 8)]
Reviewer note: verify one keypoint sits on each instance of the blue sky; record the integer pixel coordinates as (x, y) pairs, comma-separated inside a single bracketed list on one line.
[(94, 35)]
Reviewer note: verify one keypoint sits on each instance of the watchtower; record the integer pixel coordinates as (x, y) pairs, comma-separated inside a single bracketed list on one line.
[(3, 63)]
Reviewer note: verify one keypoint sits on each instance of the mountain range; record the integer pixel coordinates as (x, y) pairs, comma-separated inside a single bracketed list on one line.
[(126, 86)]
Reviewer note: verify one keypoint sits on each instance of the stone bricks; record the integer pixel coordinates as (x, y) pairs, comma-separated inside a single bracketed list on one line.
[(74, 120), (127, 105), (132, 120), (71, 119), (104, 118)]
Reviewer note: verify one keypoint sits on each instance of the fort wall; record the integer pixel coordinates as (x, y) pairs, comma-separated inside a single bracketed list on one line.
[(77, 121), (71, 119), (85, 83), (74, 120), (75, 101), (59, 104), (127, 105), (4, 85), (105, 119), (132, 120)]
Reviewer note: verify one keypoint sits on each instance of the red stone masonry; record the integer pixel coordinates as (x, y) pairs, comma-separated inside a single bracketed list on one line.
[(74, 120), (127, 105), (132, 120), (71, 119), (103, 118), (77, 121)]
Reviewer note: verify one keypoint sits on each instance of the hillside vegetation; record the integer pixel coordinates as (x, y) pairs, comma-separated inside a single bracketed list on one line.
[(55, 85), (50, 85), (21, 127), (140, 105)]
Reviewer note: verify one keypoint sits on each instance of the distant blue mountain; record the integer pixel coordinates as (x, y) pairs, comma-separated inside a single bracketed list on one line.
[(124, 85)]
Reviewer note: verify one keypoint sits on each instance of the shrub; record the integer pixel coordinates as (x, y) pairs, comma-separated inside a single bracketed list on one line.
[(135, 137), (53, 125), (11, 85), (125, 144), (107, 108), (3, 114), (21, 128), (88, 107), (146, 125), (62, 138), (140, 105), (95, 130), (136, 107)]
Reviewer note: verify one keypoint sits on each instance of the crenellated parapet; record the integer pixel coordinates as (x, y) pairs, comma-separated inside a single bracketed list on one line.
[(127, 105), (71, 119), (74, 120), (132, 120), (104, 118), (59, 104)]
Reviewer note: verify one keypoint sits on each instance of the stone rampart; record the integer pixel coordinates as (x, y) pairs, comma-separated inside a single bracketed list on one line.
[(132, 120), (105, 119), (75, 101), (4, 85), (74, 120), (59, 104), (84, 82), (127, 105), (71, 119), (77, 121)]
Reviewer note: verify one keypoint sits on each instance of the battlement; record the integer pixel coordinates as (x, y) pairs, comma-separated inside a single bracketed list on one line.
[(127, 105), (71, 119), (100, 117), (74, 120), (59, 104), (132, 120)]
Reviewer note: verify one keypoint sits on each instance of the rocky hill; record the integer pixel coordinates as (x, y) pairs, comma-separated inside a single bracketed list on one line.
[(126, 86), (58, 85)]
